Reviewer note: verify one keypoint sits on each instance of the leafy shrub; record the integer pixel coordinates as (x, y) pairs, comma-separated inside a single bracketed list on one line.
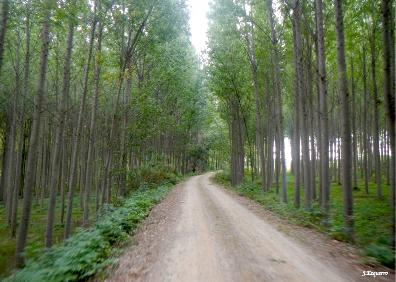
[(338, 232), (223, 177), (151, 175), (87, 252), (382, 254)]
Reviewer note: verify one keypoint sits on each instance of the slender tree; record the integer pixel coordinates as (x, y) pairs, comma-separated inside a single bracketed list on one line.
[(324, 137), (57, 151), (388, 39), (297, 100), (77, 134), (34, 138), (4, 11), (276, 74), (345, 122), (376, 133), (91, 138)]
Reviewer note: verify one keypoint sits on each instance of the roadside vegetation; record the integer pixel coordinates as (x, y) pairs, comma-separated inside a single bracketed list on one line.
[(372, 215), (35, 244), (89, 251)]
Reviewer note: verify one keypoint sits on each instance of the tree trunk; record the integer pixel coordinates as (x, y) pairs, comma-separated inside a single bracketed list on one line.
[(298, 92), (20, 148), (77, 134), (354, 133), (91, 139), (64, 174), (9, 160), (305, 97), (258, 117), (278, 94), (365, 126), (34, 138), (377, 162), (11, 176), (388, 39), (3, 27), (237, 155), (57, 151), (345, 121), (124, 157)]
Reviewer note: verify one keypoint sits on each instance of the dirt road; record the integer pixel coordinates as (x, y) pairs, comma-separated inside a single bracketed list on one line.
[(203, 233)]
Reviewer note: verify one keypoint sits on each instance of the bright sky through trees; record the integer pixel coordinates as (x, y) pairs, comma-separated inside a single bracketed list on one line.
[(199, 26), (198, 23)]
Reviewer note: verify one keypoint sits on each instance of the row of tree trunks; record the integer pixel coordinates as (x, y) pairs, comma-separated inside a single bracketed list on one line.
[(77, 134), (34, 138), (59, 140)]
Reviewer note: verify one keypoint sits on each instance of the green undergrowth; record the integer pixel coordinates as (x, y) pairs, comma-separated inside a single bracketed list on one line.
[(89, 251), (35, 241), (145, 177), (150, 175), (372, 216)]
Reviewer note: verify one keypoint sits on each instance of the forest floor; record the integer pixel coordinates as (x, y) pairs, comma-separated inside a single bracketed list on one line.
[(203, 232), (37, 227)]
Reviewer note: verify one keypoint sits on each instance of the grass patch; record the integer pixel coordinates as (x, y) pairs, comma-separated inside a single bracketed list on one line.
[(372, 216)]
